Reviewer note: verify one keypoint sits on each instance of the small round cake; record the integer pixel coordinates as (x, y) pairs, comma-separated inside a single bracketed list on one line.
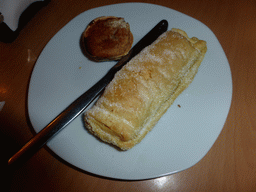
[(107, 38)]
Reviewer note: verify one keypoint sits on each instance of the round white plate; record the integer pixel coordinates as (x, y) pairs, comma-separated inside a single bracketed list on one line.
[(182, 136)]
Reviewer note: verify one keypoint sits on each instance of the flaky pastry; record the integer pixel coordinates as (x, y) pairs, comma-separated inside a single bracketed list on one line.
[(145, 88)]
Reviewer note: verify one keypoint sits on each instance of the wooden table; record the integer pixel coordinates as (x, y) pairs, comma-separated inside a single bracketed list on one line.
[(230, 165)]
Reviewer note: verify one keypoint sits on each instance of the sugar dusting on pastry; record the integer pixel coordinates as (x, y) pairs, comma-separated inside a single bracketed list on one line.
[(145, 88)]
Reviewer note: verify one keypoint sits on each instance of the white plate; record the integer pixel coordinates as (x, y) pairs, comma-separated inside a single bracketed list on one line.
[(180, 139)]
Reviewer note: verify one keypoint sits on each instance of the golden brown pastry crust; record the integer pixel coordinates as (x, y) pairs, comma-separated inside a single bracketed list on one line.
[(107, 38), (145, 88)]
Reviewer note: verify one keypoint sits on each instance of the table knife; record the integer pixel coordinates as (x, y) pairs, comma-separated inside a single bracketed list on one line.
[(82, 102)]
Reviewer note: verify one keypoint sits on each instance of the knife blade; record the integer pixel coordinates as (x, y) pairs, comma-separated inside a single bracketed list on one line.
[(82, 102)]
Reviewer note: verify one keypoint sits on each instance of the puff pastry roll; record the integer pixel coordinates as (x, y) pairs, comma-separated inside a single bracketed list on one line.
[(145, 88)]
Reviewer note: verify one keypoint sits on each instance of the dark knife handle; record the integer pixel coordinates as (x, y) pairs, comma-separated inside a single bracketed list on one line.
[(80, 104), (148, 39)]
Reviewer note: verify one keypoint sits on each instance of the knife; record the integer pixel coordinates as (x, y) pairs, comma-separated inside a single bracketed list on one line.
[(82, 102)]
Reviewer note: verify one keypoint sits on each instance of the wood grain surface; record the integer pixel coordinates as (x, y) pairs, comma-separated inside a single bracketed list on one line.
[(230, 165)]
